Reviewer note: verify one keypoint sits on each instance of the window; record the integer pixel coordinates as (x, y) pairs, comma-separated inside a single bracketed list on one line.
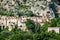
[(9, 22), (37, 5), (7, 1), (3, 26), (48, 11), (21, 26), (2, 23), (4, 4), (13, 0), (13, 23)]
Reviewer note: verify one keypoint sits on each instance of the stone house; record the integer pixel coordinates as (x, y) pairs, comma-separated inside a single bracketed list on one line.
[(21, 23), (3, 22), (11, 22), (56, 29)]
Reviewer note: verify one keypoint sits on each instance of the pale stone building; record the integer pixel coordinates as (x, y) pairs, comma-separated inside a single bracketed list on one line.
[(11, 22), (49, 0), (3, 22), (56, 29), (21, 23)]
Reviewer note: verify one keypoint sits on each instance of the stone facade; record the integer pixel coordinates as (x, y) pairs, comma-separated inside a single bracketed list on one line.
[(56, 29), (10, 22)]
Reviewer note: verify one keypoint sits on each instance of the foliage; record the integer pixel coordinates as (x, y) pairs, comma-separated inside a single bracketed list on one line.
[(30, 13), (38, 32), (55, 22), (30, 25)]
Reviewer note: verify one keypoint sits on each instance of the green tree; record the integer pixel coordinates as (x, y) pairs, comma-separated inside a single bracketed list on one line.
[(6, 35), (28, 36), (29, 13), (45, 26), (17, 37), (53, 23), (32, 26), (1, 37)]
